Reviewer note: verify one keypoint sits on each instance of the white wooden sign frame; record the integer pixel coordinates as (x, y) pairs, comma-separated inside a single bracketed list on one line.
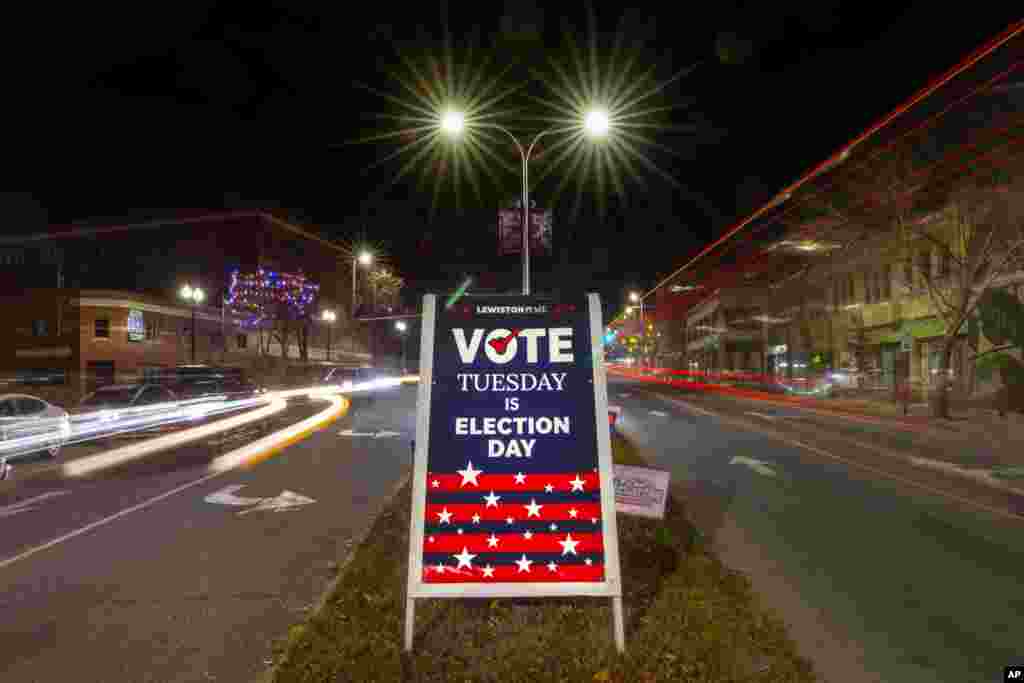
[(611, 586)]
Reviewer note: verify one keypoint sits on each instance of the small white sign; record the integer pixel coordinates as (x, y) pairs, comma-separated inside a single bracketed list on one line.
[(641, 491)]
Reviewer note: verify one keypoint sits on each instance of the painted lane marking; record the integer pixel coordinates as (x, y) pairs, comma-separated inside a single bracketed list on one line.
[(762, 415), (243, 456), (226, 496), (659, 413), (288, 500), (753, 464), (29, 503), (372, 435)]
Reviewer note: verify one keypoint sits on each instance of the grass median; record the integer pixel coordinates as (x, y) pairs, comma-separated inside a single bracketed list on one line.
[(688, 618)]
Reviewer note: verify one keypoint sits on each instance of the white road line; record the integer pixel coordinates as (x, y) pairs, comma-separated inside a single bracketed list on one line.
[(867, 468), (659, 413), (29, 503), (234, 458), (106, 520), (762, 415)]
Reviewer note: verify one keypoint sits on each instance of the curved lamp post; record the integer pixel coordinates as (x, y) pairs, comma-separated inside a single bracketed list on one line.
[(596, 123)]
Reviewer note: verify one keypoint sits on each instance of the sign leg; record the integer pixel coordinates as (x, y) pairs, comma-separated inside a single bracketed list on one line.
[(410, 619), (618, 629)]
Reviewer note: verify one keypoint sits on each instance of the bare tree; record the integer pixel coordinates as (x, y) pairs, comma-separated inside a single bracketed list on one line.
[(980, 243)]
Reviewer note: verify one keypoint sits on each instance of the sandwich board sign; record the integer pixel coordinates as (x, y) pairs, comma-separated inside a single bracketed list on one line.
[(513, 492)]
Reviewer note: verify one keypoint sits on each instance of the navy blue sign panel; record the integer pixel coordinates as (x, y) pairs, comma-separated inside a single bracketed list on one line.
[(512, 478)]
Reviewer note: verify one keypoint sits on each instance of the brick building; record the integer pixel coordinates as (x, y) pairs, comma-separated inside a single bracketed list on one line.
[(99, 302)]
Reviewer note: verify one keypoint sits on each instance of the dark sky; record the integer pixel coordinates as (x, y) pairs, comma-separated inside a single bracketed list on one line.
[(224, 104)]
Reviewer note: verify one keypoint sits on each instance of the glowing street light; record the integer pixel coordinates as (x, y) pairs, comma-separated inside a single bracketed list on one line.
[(195, 296), (329, 317), (595, 123), (364, 258), (453, 122)]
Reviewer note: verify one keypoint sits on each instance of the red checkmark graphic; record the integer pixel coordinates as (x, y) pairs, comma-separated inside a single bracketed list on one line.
[(499, 344)]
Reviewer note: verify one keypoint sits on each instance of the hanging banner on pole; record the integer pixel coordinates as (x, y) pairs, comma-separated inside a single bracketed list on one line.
[(513, 491), (510, 231)]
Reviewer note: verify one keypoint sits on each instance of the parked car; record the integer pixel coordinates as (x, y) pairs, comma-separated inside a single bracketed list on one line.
[(196, 381), (23, 416), (107, 401)]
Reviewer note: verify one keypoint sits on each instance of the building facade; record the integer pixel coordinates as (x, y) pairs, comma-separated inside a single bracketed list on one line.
[(81, 339)]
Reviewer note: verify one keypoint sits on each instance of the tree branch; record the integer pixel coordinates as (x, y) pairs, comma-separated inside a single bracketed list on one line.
[(995, 349)]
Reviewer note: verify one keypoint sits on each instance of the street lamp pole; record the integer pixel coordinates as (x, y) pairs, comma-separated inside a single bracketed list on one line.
[(328, 317), (194, 295), (365, 258), (524, 159), (401, 326)]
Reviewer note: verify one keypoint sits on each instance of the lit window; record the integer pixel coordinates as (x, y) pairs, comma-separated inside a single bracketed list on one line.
[(102, 329)]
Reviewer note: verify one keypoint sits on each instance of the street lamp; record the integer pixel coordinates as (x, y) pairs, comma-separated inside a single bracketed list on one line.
[(636, 297), (195, 296), (401, 326), (364, 258), (596, 124), (329, 317)]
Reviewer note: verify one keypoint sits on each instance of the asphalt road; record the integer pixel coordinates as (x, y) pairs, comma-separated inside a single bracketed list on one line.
[(878, 580), (178, 588)]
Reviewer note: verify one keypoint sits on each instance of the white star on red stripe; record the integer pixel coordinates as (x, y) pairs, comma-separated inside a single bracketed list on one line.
[(469, 475), (520, 478), (568, 545), (465, 558)]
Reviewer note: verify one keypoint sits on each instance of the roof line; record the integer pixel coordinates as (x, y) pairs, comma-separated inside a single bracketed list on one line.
[(966, 63), (83, 231)]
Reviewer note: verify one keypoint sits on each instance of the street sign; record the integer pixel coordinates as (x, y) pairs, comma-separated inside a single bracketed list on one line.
[(512, 485)]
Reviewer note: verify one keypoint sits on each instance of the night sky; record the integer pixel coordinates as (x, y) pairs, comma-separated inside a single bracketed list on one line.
[(173, 105)]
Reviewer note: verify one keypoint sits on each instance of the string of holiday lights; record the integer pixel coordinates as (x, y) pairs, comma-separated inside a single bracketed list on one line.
[(268, 295)]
